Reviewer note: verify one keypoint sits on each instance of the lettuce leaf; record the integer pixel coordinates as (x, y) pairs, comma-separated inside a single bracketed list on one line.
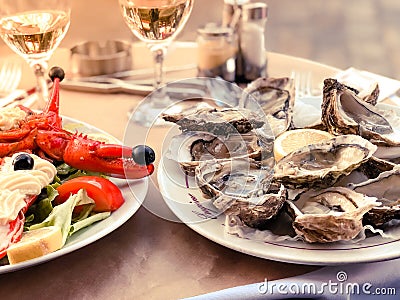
[(88, 221), (65, 172), (61, 215), (39, 210)]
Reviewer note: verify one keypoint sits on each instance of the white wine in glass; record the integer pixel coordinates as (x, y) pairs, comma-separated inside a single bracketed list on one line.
[(157, 23), (34, 29)]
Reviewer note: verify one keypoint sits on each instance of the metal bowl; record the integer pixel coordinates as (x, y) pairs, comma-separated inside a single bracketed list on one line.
[(98, 58)]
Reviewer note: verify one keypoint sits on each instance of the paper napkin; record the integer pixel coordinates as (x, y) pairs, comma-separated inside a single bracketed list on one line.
[(366, 81)]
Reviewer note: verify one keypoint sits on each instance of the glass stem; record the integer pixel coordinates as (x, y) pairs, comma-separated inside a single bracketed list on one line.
[(158, 56), (159, 96), (41, 84)]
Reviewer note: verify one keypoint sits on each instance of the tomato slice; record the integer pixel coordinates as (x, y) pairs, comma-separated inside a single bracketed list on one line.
[(106, 195)]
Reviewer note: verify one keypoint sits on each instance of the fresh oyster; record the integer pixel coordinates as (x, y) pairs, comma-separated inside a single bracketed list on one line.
[(307, 110), (215, 121), (321, 165), (343, 112), (190, 148), (370, 169), (242, 187), (276, 98), (329, 215), (385, 187)]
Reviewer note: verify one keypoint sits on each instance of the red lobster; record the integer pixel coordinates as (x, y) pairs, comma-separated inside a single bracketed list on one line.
[(42, 134)]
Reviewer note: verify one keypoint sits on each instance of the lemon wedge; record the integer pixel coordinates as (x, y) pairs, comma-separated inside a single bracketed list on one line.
[(293, 140), (35, 243)]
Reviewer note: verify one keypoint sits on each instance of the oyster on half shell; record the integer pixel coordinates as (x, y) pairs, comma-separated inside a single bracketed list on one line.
[(190, 148), (370, 169), (276, 97), (242, 187), (343, 112), (329, 215), (386, 188), (215, 121), (321, 165)]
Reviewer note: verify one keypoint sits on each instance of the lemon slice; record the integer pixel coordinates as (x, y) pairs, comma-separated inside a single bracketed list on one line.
[(293, 140), (72, 127), (35, 243)]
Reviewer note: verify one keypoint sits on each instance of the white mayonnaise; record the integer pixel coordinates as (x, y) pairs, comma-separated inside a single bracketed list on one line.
[(11, 203), (42, 174)]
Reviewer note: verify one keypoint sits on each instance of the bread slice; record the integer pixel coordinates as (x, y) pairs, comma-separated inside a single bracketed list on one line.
[(35, 243)]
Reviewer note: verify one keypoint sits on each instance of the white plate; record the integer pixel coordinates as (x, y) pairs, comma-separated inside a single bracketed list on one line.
[(187, 202), (133, 191)]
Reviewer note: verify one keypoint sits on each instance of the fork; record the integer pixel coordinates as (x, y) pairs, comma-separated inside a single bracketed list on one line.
[(305, 86), (302, 83), (10, 77)]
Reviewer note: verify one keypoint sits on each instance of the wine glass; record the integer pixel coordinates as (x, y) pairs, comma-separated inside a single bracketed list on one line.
[(157, 23), (34, 29)]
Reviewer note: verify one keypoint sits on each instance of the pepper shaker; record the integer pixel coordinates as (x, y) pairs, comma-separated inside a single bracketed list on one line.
[(252, 58)]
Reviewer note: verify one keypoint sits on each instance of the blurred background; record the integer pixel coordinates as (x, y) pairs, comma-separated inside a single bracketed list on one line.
[(361, 33)]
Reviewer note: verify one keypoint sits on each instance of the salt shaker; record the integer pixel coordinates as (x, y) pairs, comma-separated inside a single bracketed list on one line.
[(217, 48), (252, 58)]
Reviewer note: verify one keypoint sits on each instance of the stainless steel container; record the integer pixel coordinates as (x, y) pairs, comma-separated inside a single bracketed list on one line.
[(97, 58)]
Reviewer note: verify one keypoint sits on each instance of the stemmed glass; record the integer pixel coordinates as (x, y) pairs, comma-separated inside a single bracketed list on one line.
[(34, 29), (157, 23)]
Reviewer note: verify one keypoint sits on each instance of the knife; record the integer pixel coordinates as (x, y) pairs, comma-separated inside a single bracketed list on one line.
[(184, 88), (149, 72), (106, 85)]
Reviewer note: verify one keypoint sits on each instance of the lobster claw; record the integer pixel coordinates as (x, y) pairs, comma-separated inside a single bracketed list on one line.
[(86, 154), (83, 153)]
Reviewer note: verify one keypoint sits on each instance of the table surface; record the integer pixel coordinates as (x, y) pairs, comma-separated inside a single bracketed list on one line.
[(149, 256)]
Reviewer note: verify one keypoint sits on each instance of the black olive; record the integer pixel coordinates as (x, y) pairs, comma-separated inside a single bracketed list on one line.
[(23, 161), (56, 72), (143, 155)]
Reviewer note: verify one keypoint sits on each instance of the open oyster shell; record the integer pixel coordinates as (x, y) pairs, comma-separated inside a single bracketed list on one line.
[(370, 169), (211, 134), (386, 188), (242, 187), (343, 112), (215, 121), (321, 165), (329, 215), (276, 97), (190, 148)]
